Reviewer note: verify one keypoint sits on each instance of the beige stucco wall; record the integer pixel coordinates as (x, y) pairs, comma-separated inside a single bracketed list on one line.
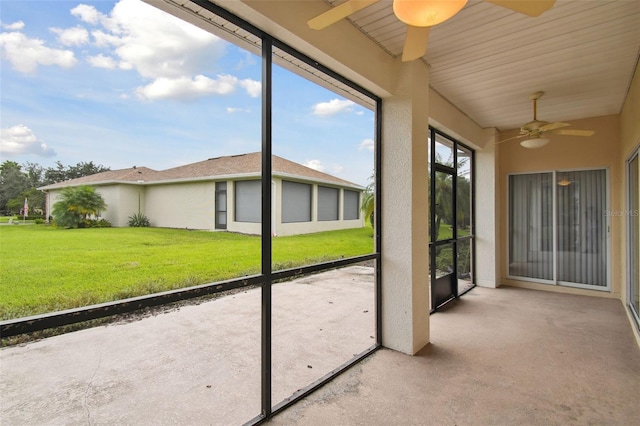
[(131, 199), (601, 150), (111, 195), (186, 205), (52, 198)]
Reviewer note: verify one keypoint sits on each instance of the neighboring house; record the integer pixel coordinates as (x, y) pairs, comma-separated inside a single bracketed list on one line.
[(224, 193)]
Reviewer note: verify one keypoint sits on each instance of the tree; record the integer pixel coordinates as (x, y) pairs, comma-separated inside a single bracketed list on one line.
[(34, 173), (61, 172), (444, 195), (12, 183), (444, 200), (77, 204), (369, 200), (36, 200)]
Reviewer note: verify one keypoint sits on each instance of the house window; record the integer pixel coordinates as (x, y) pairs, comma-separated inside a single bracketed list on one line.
[(296, 202), (248, 204), (558, 229), (328, 203), (351, 205), (221, 205)]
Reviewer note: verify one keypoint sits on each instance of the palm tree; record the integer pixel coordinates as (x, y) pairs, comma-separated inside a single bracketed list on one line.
[(369, 200), (76, 205)]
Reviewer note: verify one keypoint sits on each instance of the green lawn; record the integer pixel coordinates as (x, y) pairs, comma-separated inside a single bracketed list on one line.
[(44, 268), (446, 232)]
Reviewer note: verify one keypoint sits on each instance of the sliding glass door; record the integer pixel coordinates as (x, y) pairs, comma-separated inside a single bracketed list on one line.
[(558, 228)]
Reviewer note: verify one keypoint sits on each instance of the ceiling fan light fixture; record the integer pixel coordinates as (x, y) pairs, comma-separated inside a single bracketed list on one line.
[(534, 143), (426, 13)]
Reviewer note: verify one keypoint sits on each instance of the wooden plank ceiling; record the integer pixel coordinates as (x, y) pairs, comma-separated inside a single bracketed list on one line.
[(486, 60)]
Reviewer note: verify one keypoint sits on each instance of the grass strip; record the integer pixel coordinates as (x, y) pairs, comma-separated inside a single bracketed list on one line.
[(45, 269)]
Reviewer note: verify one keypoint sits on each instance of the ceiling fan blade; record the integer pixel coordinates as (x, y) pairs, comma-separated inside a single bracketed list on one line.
[(337, 13), (573, 132), (553, 126), (531, 8), (415, 43), (510, 139)]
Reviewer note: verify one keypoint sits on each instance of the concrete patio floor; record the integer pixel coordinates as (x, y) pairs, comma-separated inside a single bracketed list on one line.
[(498, 357), (502, 356), (193, 366)]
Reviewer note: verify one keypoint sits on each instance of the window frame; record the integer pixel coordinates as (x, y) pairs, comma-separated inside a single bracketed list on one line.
[(267, 277)]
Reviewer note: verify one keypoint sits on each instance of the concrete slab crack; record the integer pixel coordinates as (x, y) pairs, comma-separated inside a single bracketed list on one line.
[(88, 388)]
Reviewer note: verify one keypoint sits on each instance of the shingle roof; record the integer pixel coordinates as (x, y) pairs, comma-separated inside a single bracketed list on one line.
[(234, 165), (133, 174)]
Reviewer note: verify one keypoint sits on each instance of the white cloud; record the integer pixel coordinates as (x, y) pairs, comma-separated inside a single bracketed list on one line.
[(366, 144), (332, 107), (315, 165), (337, 169), (76, 36), (172, 55), (232, 110), (188, 88), (15, 26), (156, 44), (88, 14), (253, 88), (103, 39), (25, 54), (101, 61), (20, 140)]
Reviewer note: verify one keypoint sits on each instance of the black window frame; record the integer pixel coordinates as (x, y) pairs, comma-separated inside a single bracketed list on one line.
[(438, 298), (267, 277)]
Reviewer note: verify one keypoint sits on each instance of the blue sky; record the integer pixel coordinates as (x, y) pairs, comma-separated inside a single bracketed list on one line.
[(122, 84)]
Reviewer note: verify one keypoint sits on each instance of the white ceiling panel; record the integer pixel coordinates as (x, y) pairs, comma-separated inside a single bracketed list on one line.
[(486, 60)]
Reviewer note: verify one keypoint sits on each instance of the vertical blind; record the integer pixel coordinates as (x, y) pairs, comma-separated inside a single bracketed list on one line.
[(531, 226), (576, 240), (328, 203), (351, 208), (296, 202)]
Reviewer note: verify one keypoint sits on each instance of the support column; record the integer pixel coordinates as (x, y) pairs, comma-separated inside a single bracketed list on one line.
[(405, 211), (487, 213)]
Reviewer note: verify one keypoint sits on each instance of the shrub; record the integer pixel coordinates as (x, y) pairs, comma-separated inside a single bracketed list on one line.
[(99, 223), (139, 220), (39, 221), (31, 217)]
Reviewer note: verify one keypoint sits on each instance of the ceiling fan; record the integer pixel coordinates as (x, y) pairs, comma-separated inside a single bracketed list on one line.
[(535, 130), (421, 15)]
